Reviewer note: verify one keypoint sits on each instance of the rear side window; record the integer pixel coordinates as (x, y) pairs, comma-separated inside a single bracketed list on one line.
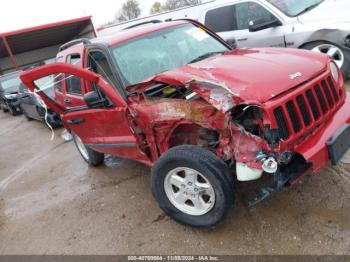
[(73, 84), (221, 19)]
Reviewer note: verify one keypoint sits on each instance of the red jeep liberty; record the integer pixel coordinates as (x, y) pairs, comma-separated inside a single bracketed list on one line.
[(202, 114)]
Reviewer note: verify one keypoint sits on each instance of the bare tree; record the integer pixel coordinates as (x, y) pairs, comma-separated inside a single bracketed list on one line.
[(176, 4), (156, 8), (193, 2), (130, 10)]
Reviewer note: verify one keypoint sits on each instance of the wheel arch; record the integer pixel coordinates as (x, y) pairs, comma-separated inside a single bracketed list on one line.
[(190, 133)]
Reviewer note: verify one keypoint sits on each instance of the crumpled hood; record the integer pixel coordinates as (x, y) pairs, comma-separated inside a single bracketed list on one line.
[(251, 75), (327, 12)]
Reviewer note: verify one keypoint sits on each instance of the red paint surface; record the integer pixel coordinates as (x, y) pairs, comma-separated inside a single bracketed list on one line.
[(258, 77)]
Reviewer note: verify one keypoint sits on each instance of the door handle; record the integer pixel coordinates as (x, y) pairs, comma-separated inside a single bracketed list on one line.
[(67, 101), (242, 39), (76, 121)]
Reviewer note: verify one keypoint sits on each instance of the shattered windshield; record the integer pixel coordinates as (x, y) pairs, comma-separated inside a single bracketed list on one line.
[(10, 82), (164, 50), (295, 7)]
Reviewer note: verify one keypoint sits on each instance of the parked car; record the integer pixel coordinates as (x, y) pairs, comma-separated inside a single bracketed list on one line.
[(9, 100), (33, 108), (176, 97), (318, 25)]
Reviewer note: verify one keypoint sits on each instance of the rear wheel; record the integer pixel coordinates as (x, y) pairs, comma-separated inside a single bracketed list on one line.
[(51, 118), (193, 186), (90, 156), (340, 56)]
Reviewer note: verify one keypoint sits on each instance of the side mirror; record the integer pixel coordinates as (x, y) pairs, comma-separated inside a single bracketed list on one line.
[(232, 42), (93, 100), (261, 24)]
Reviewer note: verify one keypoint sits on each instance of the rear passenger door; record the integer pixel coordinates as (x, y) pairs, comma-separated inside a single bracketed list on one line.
[(232, 22)]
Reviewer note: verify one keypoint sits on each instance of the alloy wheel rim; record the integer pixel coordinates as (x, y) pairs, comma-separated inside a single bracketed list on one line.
[(81, 147), (189, 191), (332, 51)]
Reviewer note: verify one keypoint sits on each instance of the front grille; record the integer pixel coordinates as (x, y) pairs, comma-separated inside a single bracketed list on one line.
[(306, 108), (293, 116), (282, 125), (312, 102), (321, 99), (303, 110), (332, 87)]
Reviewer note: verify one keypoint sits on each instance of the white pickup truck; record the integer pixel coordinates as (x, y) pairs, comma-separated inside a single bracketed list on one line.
[(318, 25)]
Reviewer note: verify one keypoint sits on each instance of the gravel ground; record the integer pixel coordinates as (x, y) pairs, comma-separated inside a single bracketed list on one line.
[(51, 202)]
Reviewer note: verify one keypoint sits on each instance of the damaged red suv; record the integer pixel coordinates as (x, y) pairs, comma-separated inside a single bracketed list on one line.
[(203, 115)]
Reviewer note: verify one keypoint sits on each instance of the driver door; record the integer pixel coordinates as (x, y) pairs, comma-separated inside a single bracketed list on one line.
[(243, 14), (105, 128)]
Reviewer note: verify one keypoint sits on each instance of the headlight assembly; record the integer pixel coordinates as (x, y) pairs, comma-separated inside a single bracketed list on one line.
[(334, 71)]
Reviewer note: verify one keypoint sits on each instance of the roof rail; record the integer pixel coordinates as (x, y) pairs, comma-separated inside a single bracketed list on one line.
[(144, 23), (74, 42)]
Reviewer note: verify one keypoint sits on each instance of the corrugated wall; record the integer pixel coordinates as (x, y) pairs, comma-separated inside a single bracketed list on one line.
[(37, 55), (28, 58)]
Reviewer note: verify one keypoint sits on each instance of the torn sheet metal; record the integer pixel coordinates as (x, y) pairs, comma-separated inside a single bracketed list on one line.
[(218, 95)]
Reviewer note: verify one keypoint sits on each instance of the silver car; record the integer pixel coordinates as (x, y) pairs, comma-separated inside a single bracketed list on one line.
[(318, 25)]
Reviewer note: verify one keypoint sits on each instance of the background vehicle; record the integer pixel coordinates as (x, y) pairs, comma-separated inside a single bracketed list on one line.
[(177, 97), (9, 99), (33, 108), (321, 26)]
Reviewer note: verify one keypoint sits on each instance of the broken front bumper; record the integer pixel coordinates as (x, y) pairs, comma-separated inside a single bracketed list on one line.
[(317, 149)]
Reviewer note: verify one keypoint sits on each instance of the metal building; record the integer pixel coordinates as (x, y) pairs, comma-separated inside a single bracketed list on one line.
[(25, 47)]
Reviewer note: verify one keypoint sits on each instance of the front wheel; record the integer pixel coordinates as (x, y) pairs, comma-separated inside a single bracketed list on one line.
[(5, 110), (90, 156), (13, 111), (340, 56), (193, 186)]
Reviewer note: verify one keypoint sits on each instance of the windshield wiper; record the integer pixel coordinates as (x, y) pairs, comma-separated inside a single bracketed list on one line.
[(307, 9), (206, 55)]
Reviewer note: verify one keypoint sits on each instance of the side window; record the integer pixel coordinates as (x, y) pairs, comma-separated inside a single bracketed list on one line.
[(221, 19), (73, 84), (46, 85), (250, 11), (98, 63), (58, 82)]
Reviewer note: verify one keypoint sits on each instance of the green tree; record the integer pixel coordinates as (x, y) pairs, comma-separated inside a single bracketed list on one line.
[(130, 10), (156, 8)]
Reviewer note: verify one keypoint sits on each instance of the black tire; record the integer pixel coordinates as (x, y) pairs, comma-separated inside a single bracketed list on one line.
[(345, 69), (13, 112), (208, 165), (93, 158), (5, 110), (53, 119)]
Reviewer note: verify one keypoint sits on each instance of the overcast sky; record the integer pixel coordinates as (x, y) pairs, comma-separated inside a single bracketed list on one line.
[(17, 14)]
